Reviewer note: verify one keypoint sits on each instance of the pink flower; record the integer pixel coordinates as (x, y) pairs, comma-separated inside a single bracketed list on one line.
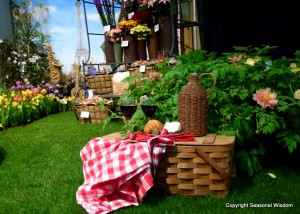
[(114, 34), (164, 1), (151, 3), (143, 2), (265, 98)]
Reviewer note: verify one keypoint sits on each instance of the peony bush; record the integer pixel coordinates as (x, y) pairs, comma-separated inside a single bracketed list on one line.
[(256, 99)]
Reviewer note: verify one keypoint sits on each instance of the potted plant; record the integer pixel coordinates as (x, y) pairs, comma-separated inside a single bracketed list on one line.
[(126, 25), (115, 36), (141, 33), (130, 49)]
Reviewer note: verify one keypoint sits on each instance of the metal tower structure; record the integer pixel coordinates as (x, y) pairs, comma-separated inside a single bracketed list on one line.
[(81, 52)]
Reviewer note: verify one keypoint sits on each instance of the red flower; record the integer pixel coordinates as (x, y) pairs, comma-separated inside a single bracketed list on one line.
[(143, 17)]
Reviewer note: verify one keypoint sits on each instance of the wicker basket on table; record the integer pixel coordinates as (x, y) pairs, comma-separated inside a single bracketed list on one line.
[(203, 167), (100, 83), (148, 73), (96, 113)]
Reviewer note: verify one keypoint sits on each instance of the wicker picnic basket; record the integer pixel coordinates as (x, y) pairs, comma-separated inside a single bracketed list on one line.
[(193, 106), (96, 114), (203, 167), (100, 83)]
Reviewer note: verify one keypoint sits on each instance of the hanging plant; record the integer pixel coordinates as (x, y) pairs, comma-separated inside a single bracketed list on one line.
[(106, 11)]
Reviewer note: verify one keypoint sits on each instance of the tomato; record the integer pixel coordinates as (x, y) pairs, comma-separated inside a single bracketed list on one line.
[(132, 135), (164, 132)]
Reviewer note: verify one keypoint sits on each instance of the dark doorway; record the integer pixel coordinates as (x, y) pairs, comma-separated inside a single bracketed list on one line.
[(225, 24)]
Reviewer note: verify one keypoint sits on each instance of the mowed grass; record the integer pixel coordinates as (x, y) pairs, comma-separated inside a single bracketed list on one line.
[(41, 170)]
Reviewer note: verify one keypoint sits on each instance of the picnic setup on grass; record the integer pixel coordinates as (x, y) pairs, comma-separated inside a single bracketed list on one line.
[(178, 156), (191, 119)]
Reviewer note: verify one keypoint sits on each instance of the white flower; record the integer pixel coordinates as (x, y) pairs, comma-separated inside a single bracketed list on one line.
[(8, 59), (14, 52), (23, 63), (24, 55), (250, 62), (297, 94), (293, 65), (32, 60), (1, 41), (15, 61)]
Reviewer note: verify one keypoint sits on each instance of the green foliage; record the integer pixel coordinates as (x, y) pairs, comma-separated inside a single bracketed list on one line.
[(9, 69), (232, 109)]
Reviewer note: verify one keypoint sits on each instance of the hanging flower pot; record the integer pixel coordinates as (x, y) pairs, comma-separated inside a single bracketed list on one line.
[(130, 51)]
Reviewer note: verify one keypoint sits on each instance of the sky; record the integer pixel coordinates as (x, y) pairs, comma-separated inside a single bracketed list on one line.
[(62, 29)]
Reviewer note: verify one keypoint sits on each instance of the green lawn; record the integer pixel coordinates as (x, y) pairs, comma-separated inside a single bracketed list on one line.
[(40, 171)]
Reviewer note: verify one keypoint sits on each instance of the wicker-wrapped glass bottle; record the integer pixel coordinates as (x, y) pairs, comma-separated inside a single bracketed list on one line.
[(193, 106)]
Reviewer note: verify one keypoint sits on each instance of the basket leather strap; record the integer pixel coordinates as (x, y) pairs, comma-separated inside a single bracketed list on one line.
[(202, 154)]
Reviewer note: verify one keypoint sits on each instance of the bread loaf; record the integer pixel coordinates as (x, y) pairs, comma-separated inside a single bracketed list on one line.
[(151, 125)]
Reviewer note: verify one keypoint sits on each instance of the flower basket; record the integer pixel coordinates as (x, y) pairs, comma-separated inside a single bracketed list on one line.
[(203, 167), (96, 114), (101, 84)]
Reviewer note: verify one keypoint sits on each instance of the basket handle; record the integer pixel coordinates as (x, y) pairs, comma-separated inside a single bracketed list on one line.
[(202, 154), (214, 83)]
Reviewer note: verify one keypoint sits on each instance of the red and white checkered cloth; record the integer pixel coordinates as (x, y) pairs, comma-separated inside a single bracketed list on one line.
[(118, 173)]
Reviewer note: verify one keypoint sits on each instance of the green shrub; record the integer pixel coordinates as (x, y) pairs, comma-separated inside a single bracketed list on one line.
[(256, 98)]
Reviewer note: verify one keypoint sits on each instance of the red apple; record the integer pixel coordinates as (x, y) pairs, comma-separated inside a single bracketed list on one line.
[(132, 135), (164, 132)]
